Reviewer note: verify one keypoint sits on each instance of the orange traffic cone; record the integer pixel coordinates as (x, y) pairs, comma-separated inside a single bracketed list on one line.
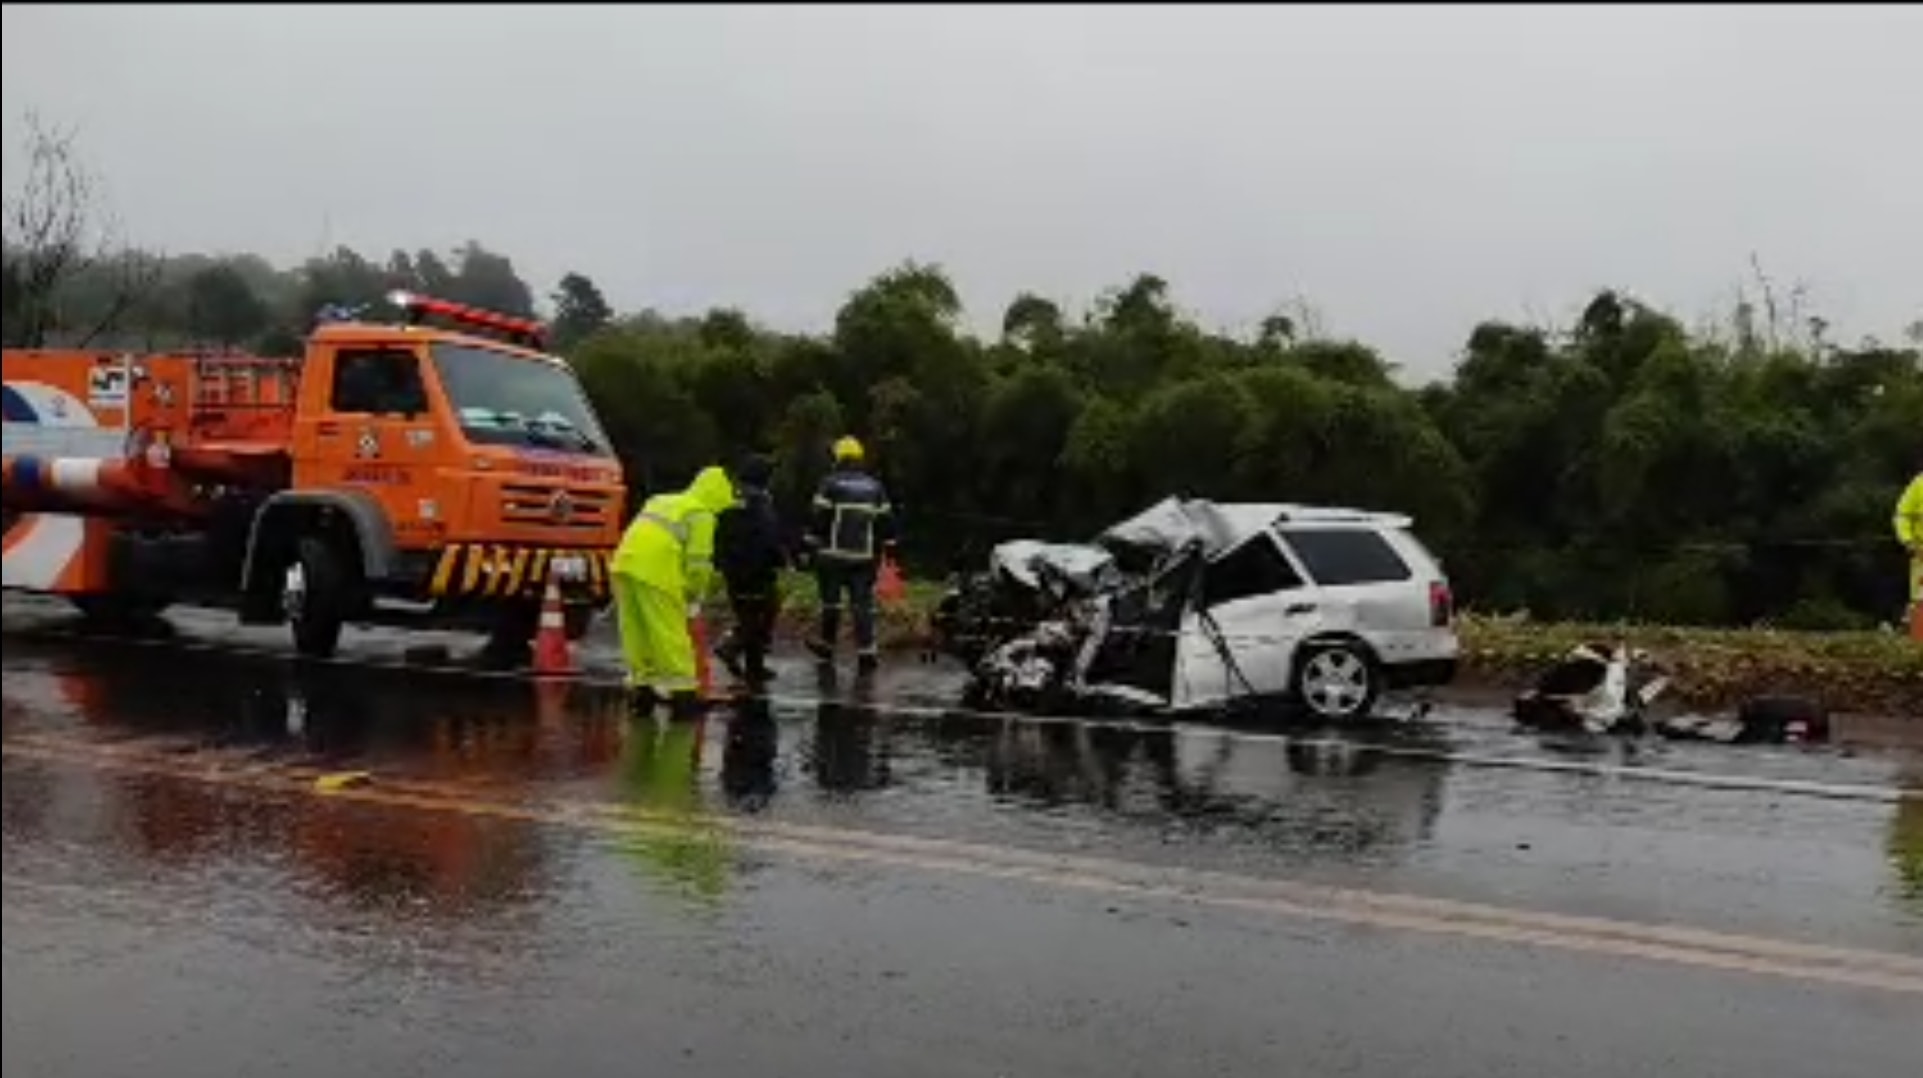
[(551, 652), (703, 666), (890, 586)]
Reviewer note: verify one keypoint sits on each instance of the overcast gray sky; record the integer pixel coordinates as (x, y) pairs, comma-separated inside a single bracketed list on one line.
[(1409, 171)]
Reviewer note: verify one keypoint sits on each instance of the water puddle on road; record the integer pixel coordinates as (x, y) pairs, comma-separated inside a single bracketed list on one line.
[(1804, 843)]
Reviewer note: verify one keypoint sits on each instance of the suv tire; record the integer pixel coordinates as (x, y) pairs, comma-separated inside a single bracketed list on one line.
[(1336, 681)]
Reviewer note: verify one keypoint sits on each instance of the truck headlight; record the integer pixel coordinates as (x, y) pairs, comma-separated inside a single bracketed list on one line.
[(568, 568)]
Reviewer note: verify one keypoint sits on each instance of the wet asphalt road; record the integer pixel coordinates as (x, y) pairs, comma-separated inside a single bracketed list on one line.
[(828, 883)]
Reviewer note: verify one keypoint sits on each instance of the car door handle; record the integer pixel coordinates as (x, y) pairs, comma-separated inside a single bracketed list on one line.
[(1299, 608)]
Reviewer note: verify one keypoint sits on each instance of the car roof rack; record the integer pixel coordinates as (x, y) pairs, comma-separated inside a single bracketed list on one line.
[(1292, 513)]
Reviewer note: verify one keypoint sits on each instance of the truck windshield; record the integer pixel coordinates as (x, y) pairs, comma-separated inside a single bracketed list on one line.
[(505, 399)]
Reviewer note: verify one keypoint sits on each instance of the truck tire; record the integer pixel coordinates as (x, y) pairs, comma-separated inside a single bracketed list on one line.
[(315, 609)]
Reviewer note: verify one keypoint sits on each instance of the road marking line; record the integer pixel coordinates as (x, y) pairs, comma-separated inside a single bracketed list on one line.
[(1691, 947), (1888, 795), (149, 758)]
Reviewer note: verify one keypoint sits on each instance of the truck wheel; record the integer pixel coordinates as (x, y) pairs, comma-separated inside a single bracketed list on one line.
[(1337, 682), (578, 619), (312, 597)]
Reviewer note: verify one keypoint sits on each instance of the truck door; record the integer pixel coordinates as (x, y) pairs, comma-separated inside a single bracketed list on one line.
[(381, 435)]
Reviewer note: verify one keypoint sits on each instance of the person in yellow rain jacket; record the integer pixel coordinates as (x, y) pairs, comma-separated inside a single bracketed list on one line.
[(662, 571), (1909, 532)]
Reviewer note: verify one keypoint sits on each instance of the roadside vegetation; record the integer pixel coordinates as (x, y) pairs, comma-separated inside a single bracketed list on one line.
[(1619, 467)]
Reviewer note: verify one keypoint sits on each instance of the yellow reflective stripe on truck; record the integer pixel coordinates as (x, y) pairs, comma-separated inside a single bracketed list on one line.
[(444, 571), (490, 570), (516, 566)]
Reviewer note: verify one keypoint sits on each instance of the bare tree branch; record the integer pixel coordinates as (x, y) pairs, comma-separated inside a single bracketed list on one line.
[(1772, 315), (132, 274), (56, 232)]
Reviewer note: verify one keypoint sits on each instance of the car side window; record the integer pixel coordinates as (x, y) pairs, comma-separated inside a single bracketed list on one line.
[(378, 381), (1256, 567), (1335, 557)]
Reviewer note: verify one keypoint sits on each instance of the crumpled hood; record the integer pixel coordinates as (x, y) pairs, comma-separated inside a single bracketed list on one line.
[(712, 489)]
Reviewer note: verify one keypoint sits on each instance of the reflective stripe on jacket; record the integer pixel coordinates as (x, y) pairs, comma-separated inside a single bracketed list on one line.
[(852, 517), (670, 543)]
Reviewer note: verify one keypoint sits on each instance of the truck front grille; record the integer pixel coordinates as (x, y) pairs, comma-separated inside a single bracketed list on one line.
[(555, 507)]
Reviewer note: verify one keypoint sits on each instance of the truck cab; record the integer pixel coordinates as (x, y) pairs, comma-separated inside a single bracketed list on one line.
[(450, 472)]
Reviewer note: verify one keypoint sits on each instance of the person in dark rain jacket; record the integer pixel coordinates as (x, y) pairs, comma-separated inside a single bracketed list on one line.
[(750, 552)]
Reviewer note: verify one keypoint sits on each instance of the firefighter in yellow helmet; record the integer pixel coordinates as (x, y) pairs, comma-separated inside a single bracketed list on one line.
[(851, 527), (661, 573), (1909, 532)]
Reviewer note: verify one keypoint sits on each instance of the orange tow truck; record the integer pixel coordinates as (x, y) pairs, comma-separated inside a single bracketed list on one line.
[(436, 472)]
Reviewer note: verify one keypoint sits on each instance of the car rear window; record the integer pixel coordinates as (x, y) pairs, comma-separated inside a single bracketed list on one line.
[(1338, 556)]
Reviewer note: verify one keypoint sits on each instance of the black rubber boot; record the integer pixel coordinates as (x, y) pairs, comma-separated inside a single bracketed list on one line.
[(641, 702), (686, 707), (823, 645)]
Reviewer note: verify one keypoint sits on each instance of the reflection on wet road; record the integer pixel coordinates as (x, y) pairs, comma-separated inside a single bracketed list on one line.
[(531, 880)]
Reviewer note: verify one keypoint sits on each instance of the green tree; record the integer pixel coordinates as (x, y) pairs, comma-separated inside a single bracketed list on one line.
[(1032, 321), (580, 311), (222, 308), (487, 280)]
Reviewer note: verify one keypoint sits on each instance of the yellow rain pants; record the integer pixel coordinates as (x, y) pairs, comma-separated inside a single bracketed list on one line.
[(661, 573), (654, 636)]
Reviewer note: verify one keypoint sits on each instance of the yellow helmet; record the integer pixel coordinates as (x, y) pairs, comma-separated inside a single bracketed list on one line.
[(847, 448)]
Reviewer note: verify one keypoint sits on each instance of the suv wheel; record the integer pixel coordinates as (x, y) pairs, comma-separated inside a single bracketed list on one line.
[(1337, 681), (312, 594)]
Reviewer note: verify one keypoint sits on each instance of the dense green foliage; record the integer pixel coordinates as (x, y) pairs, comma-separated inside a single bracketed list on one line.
[(1622, 467)]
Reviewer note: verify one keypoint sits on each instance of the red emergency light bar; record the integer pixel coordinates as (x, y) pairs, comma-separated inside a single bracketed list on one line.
[(518, 330)]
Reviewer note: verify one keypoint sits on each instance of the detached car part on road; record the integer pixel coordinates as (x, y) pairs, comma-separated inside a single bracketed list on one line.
[(1195, 605), (1594, 689), (1598, 689)]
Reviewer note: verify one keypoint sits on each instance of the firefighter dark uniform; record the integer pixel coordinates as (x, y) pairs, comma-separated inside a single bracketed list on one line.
[(851, 527)]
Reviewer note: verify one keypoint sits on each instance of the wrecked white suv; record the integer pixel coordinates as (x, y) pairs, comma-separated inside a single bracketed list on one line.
[(1196, 605)]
